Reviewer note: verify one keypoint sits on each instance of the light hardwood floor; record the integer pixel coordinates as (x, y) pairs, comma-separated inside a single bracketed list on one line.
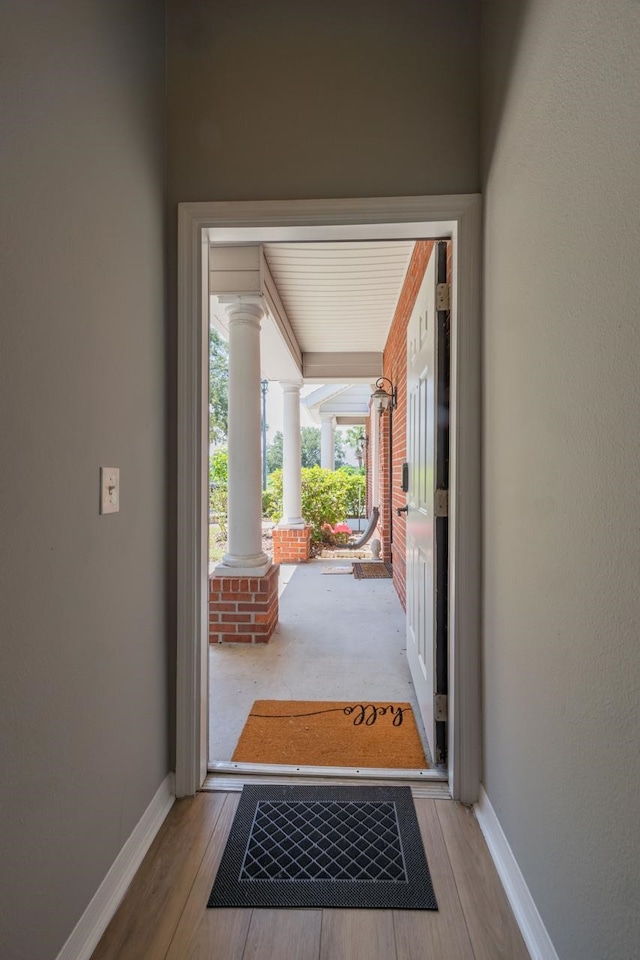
[(164, 914)]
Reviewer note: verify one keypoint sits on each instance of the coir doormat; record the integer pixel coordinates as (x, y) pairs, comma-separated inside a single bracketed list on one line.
[(372, 571), (331, 733), (324, 847)]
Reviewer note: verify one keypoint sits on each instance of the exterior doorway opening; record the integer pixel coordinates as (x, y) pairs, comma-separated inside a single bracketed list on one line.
[(339, 642), (204, 229)]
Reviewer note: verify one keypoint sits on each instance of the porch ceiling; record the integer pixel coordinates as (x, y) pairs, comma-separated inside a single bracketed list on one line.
[(339, 296), (348, 403)]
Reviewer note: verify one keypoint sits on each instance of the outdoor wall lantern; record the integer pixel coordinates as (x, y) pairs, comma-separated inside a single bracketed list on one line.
[(384, 399)]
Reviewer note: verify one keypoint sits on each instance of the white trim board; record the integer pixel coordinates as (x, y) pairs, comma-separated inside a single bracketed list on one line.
[(455, 217), (534, 933), (217, 783), (94, 921)]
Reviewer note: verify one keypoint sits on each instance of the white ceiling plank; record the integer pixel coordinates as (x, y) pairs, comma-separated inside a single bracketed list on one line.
[(339, 296)]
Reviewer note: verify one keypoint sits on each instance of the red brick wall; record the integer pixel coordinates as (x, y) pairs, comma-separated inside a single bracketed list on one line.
[(243, 609), (395, 368), (291, 545)]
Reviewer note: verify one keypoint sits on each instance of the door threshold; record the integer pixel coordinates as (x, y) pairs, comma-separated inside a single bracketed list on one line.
[(230, 776), (355, 773)]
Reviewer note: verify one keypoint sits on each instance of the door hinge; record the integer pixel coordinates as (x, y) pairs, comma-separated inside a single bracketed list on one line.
[(443, 296), (441, 503), (440, 711)]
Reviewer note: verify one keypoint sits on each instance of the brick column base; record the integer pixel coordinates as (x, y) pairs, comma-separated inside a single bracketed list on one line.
[(243, 609), (291, 544)]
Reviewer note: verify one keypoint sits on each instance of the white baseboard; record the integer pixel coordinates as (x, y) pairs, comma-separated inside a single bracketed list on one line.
[(533, 930), (95, 919)]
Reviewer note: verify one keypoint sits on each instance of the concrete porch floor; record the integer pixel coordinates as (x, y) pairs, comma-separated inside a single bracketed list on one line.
[(338, 639)]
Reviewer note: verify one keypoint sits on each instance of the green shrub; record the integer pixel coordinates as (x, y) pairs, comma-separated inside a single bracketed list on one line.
[(270, 504), (354, 483), (327, 496), (218, 507), (218, 499), (218, 467)]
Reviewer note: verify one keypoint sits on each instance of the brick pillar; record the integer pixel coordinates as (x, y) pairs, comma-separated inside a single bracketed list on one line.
[(291, 544), (243, 609)]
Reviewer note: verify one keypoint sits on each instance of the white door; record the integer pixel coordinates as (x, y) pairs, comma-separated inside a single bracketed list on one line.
[(421, 528)]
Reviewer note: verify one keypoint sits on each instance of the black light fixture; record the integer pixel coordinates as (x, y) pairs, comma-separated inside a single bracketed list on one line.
[(384, 399)]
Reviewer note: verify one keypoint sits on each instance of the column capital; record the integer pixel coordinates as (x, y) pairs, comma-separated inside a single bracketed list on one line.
[(243, 309), (291, 386)]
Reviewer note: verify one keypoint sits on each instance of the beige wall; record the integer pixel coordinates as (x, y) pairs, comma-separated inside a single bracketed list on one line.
[(83, 661), (562, 460), (289, 99)]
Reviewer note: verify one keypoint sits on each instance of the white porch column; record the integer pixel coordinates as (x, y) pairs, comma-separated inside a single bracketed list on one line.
[(374, 441), (292, 480), (244, 556), (327, 441)]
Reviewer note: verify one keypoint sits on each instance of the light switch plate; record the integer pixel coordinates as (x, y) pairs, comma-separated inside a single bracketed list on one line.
[(109, 489)]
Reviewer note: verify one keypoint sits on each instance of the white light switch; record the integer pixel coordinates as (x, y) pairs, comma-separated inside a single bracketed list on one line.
[(109, 489)]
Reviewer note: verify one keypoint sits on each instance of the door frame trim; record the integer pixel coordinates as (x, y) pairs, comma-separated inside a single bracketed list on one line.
[(457, 217)]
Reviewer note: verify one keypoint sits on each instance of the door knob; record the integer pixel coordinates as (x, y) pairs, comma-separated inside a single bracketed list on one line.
[(404, 509)]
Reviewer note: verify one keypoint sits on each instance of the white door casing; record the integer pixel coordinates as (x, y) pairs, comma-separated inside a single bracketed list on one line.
[(420, 531), (456, 217)]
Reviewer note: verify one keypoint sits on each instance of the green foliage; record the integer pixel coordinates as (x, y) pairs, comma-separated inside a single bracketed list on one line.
[(275, 501), (275, 453), (218, 387), (218, 501), (327, 496), (354, 437), (310, 446), (218, 467), (355, 489), (338, 450), (323, 499), (218, 508), (270, 505)]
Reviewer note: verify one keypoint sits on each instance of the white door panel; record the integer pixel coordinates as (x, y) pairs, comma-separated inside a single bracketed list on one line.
[(421, 454)]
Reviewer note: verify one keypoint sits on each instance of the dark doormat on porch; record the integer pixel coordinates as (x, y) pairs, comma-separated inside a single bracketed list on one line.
[(374, 570), (322, 846)]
